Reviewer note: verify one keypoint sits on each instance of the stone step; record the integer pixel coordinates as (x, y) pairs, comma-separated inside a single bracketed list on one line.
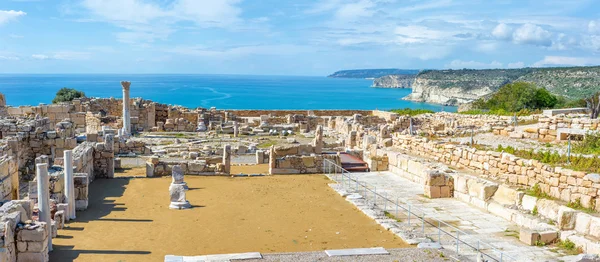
[(357, 252)]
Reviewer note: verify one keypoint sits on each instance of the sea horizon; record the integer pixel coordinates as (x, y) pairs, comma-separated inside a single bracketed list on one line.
[(223, 91)]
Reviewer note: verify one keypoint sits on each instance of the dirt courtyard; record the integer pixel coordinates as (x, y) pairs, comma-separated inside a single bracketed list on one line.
[(129, 219)]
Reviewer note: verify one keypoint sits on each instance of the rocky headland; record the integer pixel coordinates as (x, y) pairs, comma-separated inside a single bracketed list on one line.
[(372, 73), (394, 81), (456, 87)]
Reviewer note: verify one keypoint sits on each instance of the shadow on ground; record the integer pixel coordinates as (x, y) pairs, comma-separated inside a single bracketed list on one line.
[(98, 207)]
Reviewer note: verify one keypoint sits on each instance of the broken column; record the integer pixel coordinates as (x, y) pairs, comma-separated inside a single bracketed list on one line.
[(318, 141), (2, 100), (236, 127), (177, 176), (69, 184), (44, 199), (126, 113), (109, 145), (227, 159), (272, 159), (177, 190)]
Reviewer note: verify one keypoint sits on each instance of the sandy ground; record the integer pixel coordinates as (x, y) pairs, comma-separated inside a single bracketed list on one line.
[(250, 170), (129, 219)]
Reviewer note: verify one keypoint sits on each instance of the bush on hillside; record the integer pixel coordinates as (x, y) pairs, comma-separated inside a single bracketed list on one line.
[(67, 95), (411, 112), (517, 96)]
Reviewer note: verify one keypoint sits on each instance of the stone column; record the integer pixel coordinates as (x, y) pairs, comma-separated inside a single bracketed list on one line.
[(236, 129), (272, 159), (44, 199), (126, 113), (69, 184), (318, 141), (109, 145), (2, 100), (227, 158)]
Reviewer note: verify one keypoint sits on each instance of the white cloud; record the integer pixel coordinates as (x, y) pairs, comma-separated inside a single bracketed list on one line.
[(419, 34), (532, 34), (11, 58), (594, 27), (427, 6), (40, 57), (238, 51), (486, 47), (460, 64), (567, 61), (352, 11), (516, 65), (502, 31), (6, 16), (146, 22), (63, 55)]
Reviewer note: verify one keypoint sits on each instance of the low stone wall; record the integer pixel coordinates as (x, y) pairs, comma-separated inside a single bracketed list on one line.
[(20, 243), (302, 164), (123, 147), (9, 178), (200, 166), (558, 182), (282, 113)]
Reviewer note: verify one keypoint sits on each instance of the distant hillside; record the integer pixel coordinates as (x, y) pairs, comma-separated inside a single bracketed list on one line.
[(394, 81), (372, 73), (462, 86)]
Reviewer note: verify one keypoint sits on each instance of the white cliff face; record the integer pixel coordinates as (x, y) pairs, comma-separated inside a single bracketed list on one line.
[(394, 81), (425, 90)]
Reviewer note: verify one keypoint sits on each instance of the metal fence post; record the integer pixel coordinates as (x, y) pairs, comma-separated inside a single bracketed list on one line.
[(423, 220), (375, 196), (409, 214), (440, 232), (396, 208), (457, 243), (385, 202)]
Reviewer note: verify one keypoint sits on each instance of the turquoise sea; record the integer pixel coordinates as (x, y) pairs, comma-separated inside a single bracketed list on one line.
[(221, 91)]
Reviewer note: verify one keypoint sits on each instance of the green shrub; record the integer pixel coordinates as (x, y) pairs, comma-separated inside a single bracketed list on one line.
[(577, 163), (517, 96), (589, 145), (67, 95), (411, 112)]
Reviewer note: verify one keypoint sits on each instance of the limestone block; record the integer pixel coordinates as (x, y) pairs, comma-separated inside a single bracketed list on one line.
[(461, 184), (506, 196), (488, 190), (501, 211), (566, 218), (528, 236), (38, 234), (432, 191), (548, 209), (594, 227), (528, 202), (81, 205), (582, 223), (548, 237)]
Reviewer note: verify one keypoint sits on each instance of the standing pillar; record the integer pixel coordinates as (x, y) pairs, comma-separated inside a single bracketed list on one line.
[(227, 158), (236, 129), (126, 113), (318, 141), (109, 147), (44, 199), (69, 183)]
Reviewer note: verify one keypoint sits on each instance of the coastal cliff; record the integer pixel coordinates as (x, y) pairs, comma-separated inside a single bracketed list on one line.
[(372, 73), (455, 87), (394, 81)]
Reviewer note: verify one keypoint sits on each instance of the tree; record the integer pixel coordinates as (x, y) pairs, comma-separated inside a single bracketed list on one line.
[(593, 103), (516, 96), (67, 95)]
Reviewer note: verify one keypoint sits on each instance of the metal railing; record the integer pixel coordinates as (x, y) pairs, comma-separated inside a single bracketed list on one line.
[(434, 229)]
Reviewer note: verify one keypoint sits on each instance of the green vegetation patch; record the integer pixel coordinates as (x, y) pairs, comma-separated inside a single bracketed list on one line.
[(67, 95), (412, 112), (577, 163), (589, 145)]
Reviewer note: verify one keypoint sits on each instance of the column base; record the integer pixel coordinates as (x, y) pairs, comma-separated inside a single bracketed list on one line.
[(180, 205)]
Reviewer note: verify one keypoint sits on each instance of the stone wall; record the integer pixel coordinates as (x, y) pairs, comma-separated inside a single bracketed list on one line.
[(9, 178), (294, 164), (557, 182), (129, 146), (199, 166), (22, 243), (283, 113)]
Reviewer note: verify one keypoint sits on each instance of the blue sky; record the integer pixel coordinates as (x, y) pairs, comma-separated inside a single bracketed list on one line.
[(281, 37)]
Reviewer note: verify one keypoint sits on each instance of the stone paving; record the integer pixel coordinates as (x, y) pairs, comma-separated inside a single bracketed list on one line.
[(476, 223)]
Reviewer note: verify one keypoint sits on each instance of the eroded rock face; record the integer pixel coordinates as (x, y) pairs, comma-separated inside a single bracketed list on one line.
[(394, 81)]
